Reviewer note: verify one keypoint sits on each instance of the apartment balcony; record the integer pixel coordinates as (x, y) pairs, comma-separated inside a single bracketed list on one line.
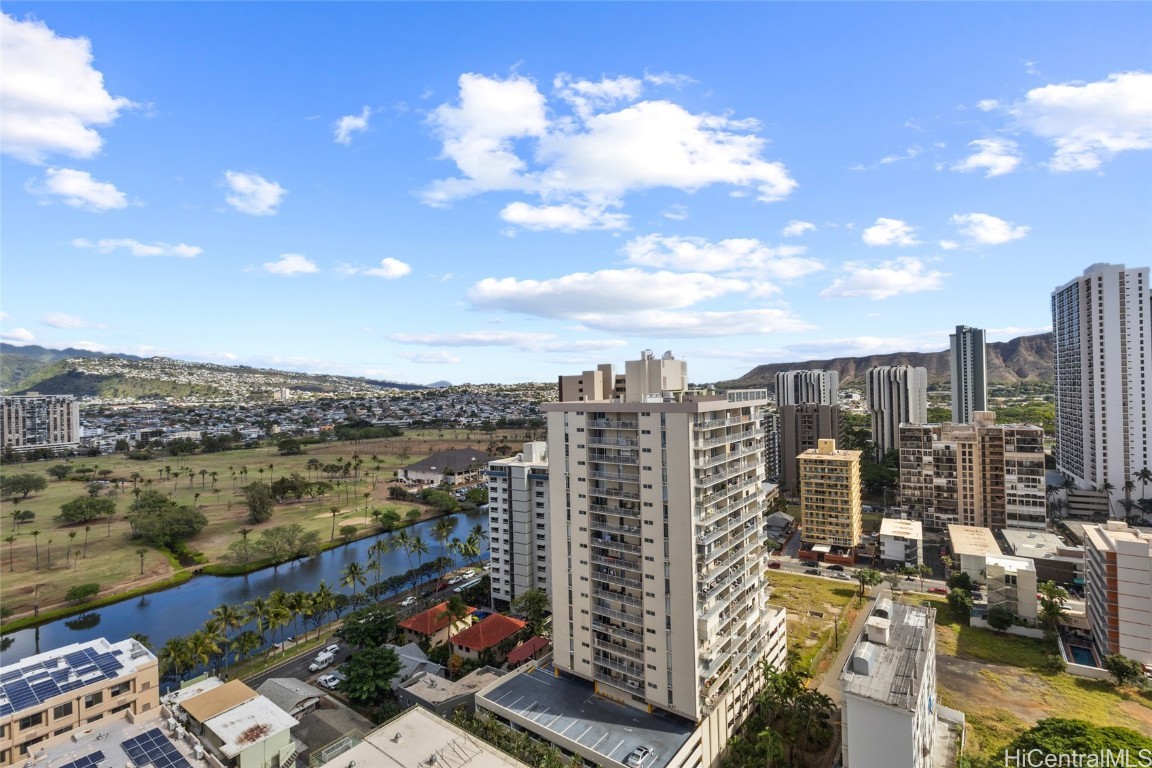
[(631, 618), (618, 562), (717, 423), (613, 493), (731, 506), (732, 455), (635, 683), (601, 475), (618, 546), (616, 649), (612, 458), (627, 667), (628, 530), (728, 491), (614, 442), (614, 576), (613, 424), (617, 630), (603, 509)]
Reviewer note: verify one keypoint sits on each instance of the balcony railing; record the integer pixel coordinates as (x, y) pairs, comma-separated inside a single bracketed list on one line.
[(618, 546), (613, 424), (617, 562), (598, 525), (620, 511), (618, 615), (612, 493)]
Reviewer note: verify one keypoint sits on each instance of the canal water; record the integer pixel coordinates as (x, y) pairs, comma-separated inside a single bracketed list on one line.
[(184, 609)]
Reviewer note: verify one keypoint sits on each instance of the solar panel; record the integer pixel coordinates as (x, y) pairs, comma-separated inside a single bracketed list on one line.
[(88, 761), (28, 685), (153, 747)]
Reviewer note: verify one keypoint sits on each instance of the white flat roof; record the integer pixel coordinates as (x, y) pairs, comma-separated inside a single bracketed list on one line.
[(247, 724), (1009, 563), (972, 540), (905, 529)]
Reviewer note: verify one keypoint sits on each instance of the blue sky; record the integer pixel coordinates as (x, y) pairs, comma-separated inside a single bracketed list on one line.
[(507, 192)]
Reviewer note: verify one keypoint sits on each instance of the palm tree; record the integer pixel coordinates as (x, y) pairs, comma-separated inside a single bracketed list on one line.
[(141, 551), (333, 511), (203, 475), (244, 537), (479, 532), (441, 533), (323, 602), (87, 528), (353, 576), (71, 539), (257, 610), (202, 646), (245, 643), (11, 539), (455, 610), (175, 657), (1107, 487), (36, 543), (418, 548), (15, 515), (230, 618), (1145, 477)]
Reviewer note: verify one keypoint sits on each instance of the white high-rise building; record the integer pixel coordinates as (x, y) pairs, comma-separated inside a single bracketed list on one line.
[(1118, 589), (969, 373), (800, 387), (32, 421), (1102, 328), (658, 554), (518, 523), (897, 394)]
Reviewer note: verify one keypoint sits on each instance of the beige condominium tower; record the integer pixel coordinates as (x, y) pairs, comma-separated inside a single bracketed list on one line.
[(830, 502)]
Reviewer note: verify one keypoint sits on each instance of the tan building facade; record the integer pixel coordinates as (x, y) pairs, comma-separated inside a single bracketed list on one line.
[(54, 694), (830, 513), (32, 421)]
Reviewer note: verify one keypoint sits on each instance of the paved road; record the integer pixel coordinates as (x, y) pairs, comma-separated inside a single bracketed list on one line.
[(297, 667)]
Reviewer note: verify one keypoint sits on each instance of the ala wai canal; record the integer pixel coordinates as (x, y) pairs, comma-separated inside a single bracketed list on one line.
[(183, 609)]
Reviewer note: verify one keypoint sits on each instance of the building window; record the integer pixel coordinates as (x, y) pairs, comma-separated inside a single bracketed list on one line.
[(93, 699), (32, 721), (62, 710)]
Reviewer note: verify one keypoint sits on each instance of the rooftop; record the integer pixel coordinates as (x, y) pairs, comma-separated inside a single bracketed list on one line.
[(565, 708), (904, 529), (1035, 544), (489, 632), (414, 738), (888, 659), (434, 689), (431, 621), (1012, 564), (972, 540), (1116, 535), (527, 650), (36, 679), (249, 723), (216, 700), (288, 693), (455, 459), (121, 744)]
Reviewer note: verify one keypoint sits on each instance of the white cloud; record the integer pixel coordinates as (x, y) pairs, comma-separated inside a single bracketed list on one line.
[(50, 95), (987, 105), (137, 248), (79, 190), (859, 346), (676, 212), (291, 264), (250, 193), (389, 269), (890, 232), (61, 320), (566, 217), (664, 324), (349, 124), (984, 229), (995, 156), (1089, 123), (746, 257), (667, 78), (435, 357), (889, 278), (18, 334), (795, 228), (529, 342), (949, 245), (909, 154), (585, 293), (502, 136)]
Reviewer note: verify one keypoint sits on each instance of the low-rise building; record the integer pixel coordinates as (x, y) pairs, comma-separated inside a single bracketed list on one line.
[(901, 543), (890, 713), (1053, 559), (488, 636), (58, 692), (443, 696), (970, 547), (1012, 584), (295, 697), (432, 625), (241, 728), (457, 465)]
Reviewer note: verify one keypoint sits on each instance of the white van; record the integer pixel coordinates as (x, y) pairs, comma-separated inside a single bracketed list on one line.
[(321, 661)]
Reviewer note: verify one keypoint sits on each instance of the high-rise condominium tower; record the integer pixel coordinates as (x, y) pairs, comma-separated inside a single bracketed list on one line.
[(657, 570), (969, 373), (1102, 328), (897, 394), (800, 387), (32, 421)]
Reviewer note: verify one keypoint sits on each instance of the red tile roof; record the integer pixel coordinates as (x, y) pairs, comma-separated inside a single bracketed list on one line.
[(431, 621), (527, 650), (482, 636)]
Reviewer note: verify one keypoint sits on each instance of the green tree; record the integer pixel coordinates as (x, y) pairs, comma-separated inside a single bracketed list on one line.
[(369, 627), (455, 610), (960, 601), (1000, 618), (353, 576), (82, 592), (140, 552), (83, 509), (21, 485), (368, 675), (1052, 600), (60, 471), (868, 577), (960, 580), (534, 607), (1124, 671), (1062, 737), (258, 497), (162, 522), (175, 657), (11, 539)]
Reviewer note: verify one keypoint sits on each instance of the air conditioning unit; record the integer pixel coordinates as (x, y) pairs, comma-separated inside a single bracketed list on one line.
[(633, 684)]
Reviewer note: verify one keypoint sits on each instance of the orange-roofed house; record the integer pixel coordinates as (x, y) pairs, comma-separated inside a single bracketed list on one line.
[(486, 636), (535, 648), (432, 625)]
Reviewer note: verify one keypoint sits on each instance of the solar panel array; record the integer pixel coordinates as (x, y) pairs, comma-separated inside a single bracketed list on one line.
[(88, 761), (153, 748), (26, 686)]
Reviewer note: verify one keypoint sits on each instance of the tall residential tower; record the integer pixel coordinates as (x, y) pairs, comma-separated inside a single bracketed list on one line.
[(969, 373), (1102, 328), (897, 394)]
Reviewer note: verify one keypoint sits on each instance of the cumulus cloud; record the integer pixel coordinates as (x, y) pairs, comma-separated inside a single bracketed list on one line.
[(676, 212), (253, 194), (858, 346), (433, 357), (566, 217), (889, 278), (1089, 123), (79, 190), (137, 248), (983, 229), (349, 124), (995, 157), (795, 228), (503, 135), (389, 269), (890, 232), (291, 264), (949, 245), (667, 78), (746, 257), (50, 96), (61, 320), (662, 323), (18, 334)]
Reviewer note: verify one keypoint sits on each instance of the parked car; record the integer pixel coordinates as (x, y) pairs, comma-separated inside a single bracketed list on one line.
[(938, 590), (455, 580), (836, 567), (333, 649), (812, 571), (774, 564), (810, 563), (637, 757), (321, 661), (407, 601), (331, 682), (842, 576)]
